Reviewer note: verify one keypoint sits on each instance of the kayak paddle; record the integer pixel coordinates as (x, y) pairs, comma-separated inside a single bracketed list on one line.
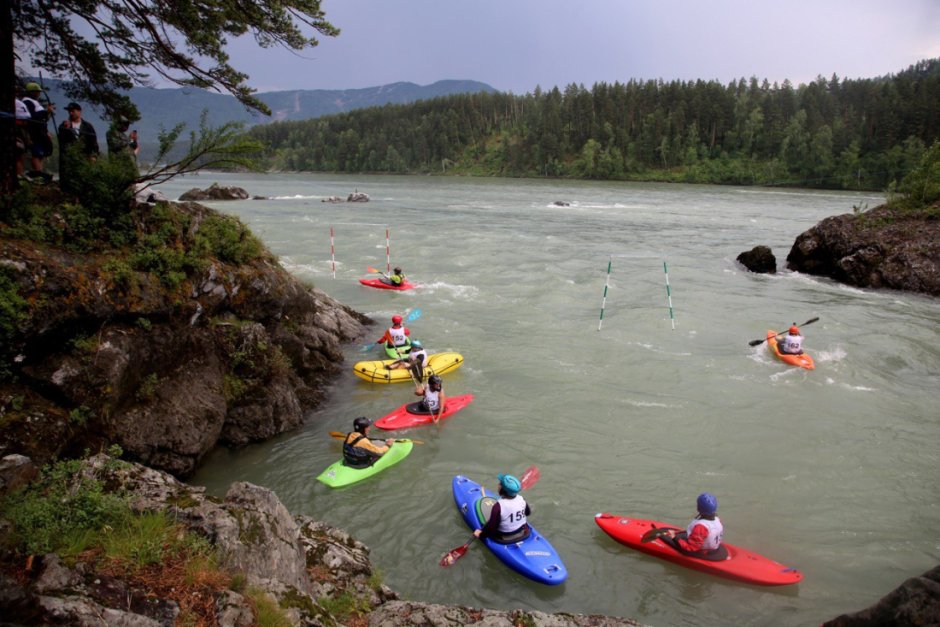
[(654, 534), (374, 271), (756, 342), (414, 315), (339, 435), (529, 477)]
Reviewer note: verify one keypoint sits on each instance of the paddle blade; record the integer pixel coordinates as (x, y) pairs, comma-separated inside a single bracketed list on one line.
[(339, 435), (756, 342), (653, 534), (373, 270), (455, 554), (529, 477), (414, 315), (810, 321)]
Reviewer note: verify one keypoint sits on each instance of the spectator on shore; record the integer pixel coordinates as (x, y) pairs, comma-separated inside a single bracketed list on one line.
[(77, 140), (40, 139), (21, 132), (122, 145)]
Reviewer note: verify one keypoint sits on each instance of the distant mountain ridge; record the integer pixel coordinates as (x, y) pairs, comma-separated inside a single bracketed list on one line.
[(169, 107)]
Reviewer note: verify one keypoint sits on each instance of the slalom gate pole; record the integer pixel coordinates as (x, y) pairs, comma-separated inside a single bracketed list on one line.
[(388, 257), (606, 285), (332, 252), (672, 317)]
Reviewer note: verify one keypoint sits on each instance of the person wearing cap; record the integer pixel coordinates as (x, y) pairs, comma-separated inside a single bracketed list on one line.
[(77, 140), (40, 140), (416, 360), (703, 535), (396, 336), (395, 278), (359, 451), (508, 520), (791, 343)]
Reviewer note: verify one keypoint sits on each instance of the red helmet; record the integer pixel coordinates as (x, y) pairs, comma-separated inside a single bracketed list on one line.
[(794, 330), (396, 319)]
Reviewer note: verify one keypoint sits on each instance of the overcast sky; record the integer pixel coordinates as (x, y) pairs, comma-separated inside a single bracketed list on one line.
[(515, 45)]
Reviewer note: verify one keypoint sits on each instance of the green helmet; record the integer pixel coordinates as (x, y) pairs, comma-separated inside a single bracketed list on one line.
[(33, 87)]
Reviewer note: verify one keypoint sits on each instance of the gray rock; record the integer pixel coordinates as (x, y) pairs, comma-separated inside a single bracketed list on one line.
[(358, 196), (759, 259), (16, 471), (216, 192), (914, 602), (881, 248)]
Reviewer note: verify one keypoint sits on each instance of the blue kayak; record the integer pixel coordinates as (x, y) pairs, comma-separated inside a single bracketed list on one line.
[(532, 556)]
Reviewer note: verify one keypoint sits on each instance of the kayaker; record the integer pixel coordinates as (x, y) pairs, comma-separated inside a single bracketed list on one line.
[(703, 535), (416, 360), (396, 336), (433, 396), (359, 451), (395, 278), (792, 342), (507, 521)]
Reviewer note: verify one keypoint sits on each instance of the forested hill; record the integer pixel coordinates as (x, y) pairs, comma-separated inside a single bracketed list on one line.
[(834, 133)]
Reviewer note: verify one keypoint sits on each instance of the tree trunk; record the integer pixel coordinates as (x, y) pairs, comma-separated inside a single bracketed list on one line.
[(8, 179)]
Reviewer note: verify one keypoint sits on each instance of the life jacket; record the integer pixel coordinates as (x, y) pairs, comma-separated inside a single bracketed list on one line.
[(421, 355), (715, 531), (396, 279), (398, 336), (511, 514), (432, 399), (791, 344), (356, 456)]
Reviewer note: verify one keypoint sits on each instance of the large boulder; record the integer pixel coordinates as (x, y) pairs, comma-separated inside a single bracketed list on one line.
[(215, 192), (882, 248), (914, 602), (233, 354), (759, 259)]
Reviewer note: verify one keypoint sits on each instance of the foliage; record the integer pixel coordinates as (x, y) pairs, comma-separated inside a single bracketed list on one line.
[(921, 187), (831, 133), (227, 239), (267, 612), (225, 146), (344, 605), (62, 511), (13, 310), (126, 45)]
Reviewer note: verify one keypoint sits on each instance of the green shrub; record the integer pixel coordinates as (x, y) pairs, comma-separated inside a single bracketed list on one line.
[(62, 511), (148, 387), (921, 187), (267, 612), (13, 309), (227, 239)]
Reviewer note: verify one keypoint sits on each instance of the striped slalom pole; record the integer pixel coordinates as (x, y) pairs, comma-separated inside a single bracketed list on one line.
[(606, 285), (332, 252), (672, 317), (388, 256)]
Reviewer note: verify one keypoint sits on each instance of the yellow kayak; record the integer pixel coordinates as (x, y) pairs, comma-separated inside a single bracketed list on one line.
[(378, 372)]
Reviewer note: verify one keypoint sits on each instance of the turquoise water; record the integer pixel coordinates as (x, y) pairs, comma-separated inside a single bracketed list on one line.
[(833, 471)]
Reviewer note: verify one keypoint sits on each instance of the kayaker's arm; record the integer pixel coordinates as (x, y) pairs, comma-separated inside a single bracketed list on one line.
[(693, 542), (491, 527), (440, 407)]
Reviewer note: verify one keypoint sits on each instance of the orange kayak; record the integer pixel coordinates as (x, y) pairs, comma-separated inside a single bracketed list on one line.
[(802, 360)]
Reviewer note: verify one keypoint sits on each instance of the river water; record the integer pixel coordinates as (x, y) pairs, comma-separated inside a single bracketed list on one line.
[(832, 471)]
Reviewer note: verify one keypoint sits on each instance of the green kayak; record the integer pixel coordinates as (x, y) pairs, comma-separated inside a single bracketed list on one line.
[(338, 474)]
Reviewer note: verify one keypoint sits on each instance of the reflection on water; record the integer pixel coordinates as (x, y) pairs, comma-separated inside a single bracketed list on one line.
[(824, 471)]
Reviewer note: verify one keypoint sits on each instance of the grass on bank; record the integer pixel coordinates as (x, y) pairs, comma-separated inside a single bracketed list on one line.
[(68, 512)]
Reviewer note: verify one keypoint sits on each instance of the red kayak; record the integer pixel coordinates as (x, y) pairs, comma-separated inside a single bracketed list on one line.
[(802, 360), (739, 564), (378, 283), (405, 417)]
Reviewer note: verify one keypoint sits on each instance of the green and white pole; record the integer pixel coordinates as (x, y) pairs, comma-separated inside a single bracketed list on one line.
[(672, 316), (606, 286)]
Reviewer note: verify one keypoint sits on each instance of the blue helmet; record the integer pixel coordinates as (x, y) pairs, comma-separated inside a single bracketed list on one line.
[(416, 344), (509, 484), (707, 503)]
